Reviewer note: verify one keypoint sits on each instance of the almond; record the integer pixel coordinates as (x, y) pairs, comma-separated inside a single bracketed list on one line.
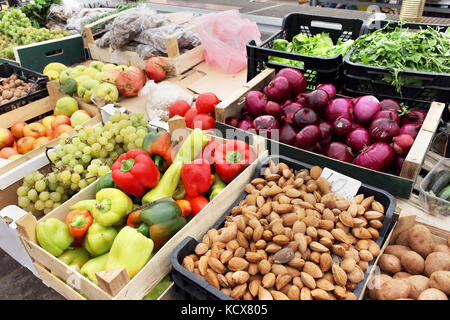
[(201, 248), (311, 221), (356, 276), (374, 249), (338, 249), (253, 257), (211, 278), (266, 209), (350, 296), (312, 269), (264, 267), (365, 255), (302, 243), (340, 292), (240, 277), (254, 287), (268, 281), (374, 232), (237, 264), (294, 293), (327, 242), (278, 269), (232, 245), (225, 256), (282, 280), (308, 280), (361, 233), (296, 262), (324, 185), (277, 227), (277, 295), (216, 265), (326, 224), (316, 246), (311, 199), (253, 269), (212, 235), (339, 275), (305, 294), (257, 233), (260, 201), (299, 227), (373, 215), (222, 281), (260, 244), (272, 248), (274, 190), (377, 224), (325, 262), (376, 206), (281, 240), (315, 257), (239, 252), (348, 264), (289, 219), (312, 232), (238, 291), (293, 193), (203, 265), (325, 285), (346, 218), (283, 256), (320, 294), (188, 263), (340, 235), (264, 294), (367, 202)]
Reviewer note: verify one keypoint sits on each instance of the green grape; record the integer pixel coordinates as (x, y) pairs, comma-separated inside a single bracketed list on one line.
[(65, 175), (119, 139), (40, 185), (56, 205), (89, 130), (103, 153), (141, 133), (70, 148), (47, 210), (22, 191), (103, 141), (93, 168), (55, 196), (87, 150), (82, 184), (29, 178), (76, 141), (49, 203), (44, 195), (82, 134), (64, 137), (131, 146), (52, 156), (97, 162), (108, 125), (39, 205), (78, 154), (123, 123), (60, 190), (75, 178), (59, 164), (102, 170), (139, 142), (74, 187), (130, 130), (73, 163), (52, 178), (98, 130), (23, 202), (32, 195), (78, 168), (96, 147), (38, 176), (66, 159), (52, 186), (86, 158), (124, 116)]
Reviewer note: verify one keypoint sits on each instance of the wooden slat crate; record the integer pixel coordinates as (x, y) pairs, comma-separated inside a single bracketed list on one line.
[(154, 270), (397, 185)]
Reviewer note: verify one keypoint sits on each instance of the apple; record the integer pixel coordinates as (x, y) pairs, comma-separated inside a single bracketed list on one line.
[(14, 157), (108, 66), (75, 74), (47, 121), (55, 66), (49, 132), (7, 152), (61, 129), (25, 144), (6, 138), (122, 67), (80, 67), (97, 65), (39, 142), (110, 76), (107, 93), (60, 120), (86, 89), (81, 78), (91, 72), (99, 76), (66, 106), (79, 117), (139, 71), (34, 130), (17, 129), (52, 75), (65, 75)]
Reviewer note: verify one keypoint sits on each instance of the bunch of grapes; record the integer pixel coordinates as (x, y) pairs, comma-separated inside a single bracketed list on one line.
[(80, 160)]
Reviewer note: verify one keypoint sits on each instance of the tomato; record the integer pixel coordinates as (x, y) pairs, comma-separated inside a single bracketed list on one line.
[(189, 117), (179, 108), (206, 102), (204, 121)]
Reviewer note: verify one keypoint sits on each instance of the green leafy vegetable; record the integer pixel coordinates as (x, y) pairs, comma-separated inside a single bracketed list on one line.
[(70, 87), (36, 11)]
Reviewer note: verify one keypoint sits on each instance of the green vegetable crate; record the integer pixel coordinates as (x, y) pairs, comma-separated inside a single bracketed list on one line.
[(418, 89), (400, 186), (326, 68)]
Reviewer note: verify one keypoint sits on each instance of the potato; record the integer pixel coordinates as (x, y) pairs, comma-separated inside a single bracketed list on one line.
[(432, 294), (418, 284), (413, 262), (397, 250), (441, 248), (375, 283), (441, 280), (403, 238), (394, 289), (420, 240), (389, 263), (401, 275), (437, 261)]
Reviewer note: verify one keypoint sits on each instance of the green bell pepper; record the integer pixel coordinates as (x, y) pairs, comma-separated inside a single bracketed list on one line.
[(217, 187), (99, 239), (111, 206), (94, 265), (105, 181), (75, 258), (130, 250), (54, 236)]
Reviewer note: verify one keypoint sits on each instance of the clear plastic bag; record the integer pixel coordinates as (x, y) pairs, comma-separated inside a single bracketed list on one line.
[(224, 35)]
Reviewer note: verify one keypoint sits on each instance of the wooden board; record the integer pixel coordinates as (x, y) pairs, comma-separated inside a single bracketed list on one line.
[(36, 56), (397, 185), (156, 268)]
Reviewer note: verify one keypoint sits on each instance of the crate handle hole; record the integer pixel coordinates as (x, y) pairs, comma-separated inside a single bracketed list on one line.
[(326, 25), (54, 53)]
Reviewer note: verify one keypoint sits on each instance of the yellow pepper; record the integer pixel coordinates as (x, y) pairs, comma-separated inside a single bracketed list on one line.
[(111, 206)]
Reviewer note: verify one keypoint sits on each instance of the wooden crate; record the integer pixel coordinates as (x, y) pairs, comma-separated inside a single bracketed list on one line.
[(154, 270), (397, 185), (179, 63), (406, 221)]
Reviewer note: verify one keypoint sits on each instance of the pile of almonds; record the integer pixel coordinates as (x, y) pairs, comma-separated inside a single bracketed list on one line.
[(12, 88), (290, 238)]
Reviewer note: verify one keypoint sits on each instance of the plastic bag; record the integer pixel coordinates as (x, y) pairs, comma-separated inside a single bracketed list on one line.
[(224, 36), (160, 96)]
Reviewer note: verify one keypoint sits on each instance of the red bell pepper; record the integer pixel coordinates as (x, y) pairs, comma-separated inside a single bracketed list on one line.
[(208, 151), (159, 146), (134, 172), (79, 222), (185, 206), (197, 203), (196, 176), (231, 158)]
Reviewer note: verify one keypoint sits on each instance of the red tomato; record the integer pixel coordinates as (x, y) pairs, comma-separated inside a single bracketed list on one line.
[(179, 108), (206, 102), (204, 121), (189, 117)]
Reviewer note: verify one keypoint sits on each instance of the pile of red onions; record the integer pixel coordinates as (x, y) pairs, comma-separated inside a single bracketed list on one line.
[(362, 130)]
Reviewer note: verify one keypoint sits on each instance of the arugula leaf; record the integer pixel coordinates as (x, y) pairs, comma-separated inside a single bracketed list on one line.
[(69, 88)]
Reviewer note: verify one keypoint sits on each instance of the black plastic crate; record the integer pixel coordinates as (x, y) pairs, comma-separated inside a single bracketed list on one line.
[(39, 86), (189, 286), (316, 69), (419, 88)]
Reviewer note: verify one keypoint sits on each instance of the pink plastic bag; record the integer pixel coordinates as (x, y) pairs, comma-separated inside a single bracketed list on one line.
[(224, 35)]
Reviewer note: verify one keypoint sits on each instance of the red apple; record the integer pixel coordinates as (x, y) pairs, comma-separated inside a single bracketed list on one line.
[(59, 120), (17, 129), (139, 71), (7, 152), (61, 129), (34, 130), (49, 132), (47, 121), (25, 144), (39, 142), (6, 138)]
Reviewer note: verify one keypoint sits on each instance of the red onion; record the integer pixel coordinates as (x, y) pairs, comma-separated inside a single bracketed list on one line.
[(414, 116), (411, 129), (383, 130), (339, 107), (245, 124), (297, 81), (329, 88), (379, 156), (274, 109), (285, 103), (277, 89), (289, 111), (318, 148), (255, 103), (265, 124), (339, 151), (287, 134), (342, 127), (325, 132), (387, 104), (307, 137), (304, 117), (358, 139), (301, 98), (402, 143), (232, 121), (399, 164), (365, 108), (317, 99), (390, 114)]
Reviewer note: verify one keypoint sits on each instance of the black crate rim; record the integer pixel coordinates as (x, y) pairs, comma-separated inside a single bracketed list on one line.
[(197, 282)]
